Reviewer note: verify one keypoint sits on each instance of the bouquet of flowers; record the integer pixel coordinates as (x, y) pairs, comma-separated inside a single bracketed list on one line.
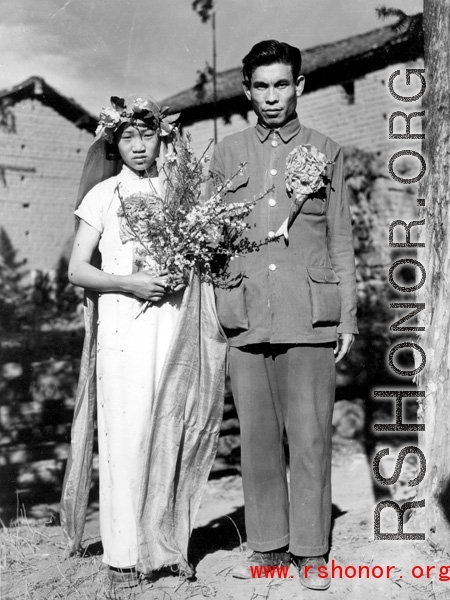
[(306, 174), (176, 231)]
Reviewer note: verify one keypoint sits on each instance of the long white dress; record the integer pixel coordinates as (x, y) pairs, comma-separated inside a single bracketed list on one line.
[(130, 357)]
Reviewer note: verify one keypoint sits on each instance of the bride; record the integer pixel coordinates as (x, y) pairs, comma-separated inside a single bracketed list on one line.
[(156, 381)]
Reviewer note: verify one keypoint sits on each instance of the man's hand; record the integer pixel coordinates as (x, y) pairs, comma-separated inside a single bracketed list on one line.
[(344, 343), (177, 285)]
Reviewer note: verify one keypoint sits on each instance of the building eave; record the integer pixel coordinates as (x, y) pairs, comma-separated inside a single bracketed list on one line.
[(37, 88), (328, 64)]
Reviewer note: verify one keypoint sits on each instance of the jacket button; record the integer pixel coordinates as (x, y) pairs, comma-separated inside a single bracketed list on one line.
[(274, 143), (272, 267), (271, 234), (273, 171), (272, 202)]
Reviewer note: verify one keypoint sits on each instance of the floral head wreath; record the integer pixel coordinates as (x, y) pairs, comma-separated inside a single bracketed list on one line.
[(135, 111)]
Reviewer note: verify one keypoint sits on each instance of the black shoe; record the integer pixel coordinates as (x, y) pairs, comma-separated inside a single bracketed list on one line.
[(313, 573), (260, 559)]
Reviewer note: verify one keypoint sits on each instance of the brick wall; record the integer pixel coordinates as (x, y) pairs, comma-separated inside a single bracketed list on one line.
[(42, 163), (357, 117)]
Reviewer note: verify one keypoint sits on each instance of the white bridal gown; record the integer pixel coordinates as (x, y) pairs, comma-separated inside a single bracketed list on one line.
[(130, 357)]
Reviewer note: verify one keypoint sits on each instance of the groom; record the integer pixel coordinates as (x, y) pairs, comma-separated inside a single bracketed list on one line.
[(291, 317)]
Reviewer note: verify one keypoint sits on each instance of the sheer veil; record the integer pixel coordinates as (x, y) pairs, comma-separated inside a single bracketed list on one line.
[(97, 167)]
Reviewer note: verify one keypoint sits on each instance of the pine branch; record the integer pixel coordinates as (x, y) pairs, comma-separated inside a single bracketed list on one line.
[(203, 8), (204, 76), (385, 13)]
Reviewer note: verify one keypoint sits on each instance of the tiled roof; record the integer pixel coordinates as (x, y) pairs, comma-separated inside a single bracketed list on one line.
[(36, 87), (328, 64)]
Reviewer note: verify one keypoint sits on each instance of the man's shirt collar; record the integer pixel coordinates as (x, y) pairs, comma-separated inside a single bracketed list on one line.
[(286, 132)]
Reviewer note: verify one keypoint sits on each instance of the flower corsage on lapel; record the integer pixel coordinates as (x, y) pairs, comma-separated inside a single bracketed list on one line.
[(306, 174)]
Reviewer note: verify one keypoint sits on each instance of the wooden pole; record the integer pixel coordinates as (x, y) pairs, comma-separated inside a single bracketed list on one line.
[(213, 21)]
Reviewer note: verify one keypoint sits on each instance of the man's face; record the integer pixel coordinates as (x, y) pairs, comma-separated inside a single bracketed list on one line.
[(273, 93)]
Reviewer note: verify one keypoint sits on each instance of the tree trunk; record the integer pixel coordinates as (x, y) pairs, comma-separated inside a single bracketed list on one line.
[(434, 442)]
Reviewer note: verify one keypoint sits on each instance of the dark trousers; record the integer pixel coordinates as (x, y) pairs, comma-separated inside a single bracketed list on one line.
[(290, 387)]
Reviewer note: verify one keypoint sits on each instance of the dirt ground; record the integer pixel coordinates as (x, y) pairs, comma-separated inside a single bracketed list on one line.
[(33, 568)]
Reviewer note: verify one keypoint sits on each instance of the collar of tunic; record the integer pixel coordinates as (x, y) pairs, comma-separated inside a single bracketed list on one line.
[(286, 132), (131, 175)]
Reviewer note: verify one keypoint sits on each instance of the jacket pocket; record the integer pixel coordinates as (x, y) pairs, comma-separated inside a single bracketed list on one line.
[(324, 295), (314, 206), (231, 307)]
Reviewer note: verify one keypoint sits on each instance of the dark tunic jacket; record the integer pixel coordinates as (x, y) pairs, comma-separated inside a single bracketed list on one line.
[(302, 292)]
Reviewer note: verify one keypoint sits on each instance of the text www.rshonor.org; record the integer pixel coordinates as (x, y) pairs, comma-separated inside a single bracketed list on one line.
[(336, 571)]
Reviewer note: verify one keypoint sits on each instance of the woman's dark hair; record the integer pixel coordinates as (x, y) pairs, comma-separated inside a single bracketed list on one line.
[(112, 150), (268, 52)]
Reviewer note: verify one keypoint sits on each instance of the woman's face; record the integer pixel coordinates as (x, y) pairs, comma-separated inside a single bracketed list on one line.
[(138, 146)]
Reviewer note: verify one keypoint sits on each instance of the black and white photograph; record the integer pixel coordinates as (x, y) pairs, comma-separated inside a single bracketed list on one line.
[(224, 299)]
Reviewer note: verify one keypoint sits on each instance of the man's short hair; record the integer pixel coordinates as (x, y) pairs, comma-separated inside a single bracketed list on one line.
[(268, 52)]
